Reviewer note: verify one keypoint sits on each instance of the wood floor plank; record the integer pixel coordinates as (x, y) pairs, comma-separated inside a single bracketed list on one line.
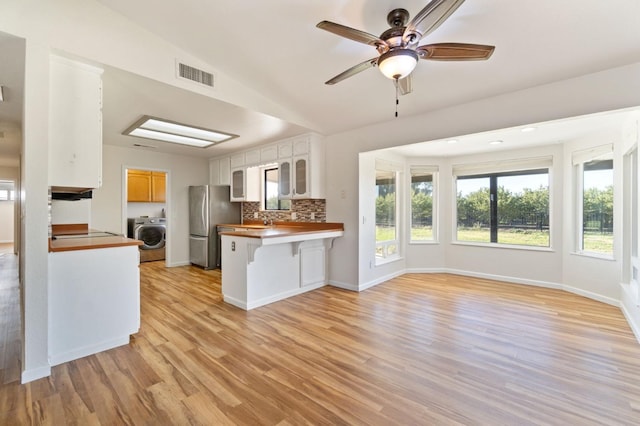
[(431, 349)]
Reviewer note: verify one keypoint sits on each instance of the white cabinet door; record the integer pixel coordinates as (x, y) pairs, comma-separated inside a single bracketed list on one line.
[(245, 184), (301, 188), (312, 264), (75, 124), (284, 180), (237, 160), (224, 169), (269, 154), (252, 158), (285, 150)]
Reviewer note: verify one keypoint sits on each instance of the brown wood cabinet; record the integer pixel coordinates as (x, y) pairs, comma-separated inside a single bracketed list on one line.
[(145, 186)]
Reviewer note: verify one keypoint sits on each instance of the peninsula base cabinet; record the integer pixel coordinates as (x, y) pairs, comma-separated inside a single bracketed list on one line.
[(261, 271), (94, 301)]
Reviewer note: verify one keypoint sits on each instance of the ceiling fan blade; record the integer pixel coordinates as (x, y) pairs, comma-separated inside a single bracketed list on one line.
[(428, 19), (352, 34), (404, 85), (455, 52), (369, 63)]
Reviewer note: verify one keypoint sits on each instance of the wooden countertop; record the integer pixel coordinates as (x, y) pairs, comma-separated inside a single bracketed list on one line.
[(79, 237), (281, 229)]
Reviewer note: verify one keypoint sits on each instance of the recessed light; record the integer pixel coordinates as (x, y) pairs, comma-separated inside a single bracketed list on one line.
[(168, 131), (528, 129), (496, 142), (452, 141)]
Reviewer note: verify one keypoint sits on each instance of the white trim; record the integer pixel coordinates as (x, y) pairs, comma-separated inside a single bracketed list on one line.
[(174, 264), (381, 280), (88, 350), (271, 299), (501, 166), (586, 155), (506, 279), (628, 310), (344, 286), (35, 374)]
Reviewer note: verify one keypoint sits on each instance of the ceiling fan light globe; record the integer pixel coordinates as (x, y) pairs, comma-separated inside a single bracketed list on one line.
[(397, 64)]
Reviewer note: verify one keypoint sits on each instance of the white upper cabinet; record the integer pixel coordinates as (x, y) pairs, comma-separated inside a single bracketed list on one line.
[(245, 184), (300, 162), (75, 124), (301, 175), (252, 158), (269, 154)]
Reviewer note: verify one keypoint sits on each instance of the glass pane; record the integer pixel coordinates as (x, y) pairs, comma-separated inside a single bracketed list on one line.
[(474, 221), (301, 176), (385, 206), (523, 209), (421, 206), (597, 207), (237, 182), (285, 179)]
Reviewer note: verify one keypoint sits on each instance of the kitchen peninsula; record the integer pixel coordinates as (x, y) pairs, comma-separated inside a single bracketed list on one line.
[(266, 263), (94, 291)]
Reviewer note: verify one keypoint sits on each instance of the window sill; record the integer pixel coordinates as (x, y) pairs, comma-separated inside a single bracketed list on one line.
[(425, 242), (594, 255), (503, 246), (385, 261)]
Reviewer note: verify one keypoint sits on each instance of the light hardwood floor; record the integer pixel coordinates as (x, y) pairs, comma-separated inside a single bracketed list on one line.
[(420, 349)]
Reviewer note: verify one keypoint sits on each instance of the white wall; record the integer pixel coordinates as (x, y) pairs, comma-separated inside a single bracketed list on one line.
[(107, 211), (146, 209), (603, 91), (65, 212)]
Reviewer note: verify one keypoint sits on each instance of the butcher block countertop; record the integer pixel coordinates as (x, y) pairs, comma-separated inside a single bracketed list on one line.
[(80, 237), (256, 229)]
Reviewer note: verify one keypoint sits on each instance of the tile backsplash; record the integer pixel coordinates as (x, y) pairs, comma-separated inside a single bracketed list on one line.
[(310, 210)]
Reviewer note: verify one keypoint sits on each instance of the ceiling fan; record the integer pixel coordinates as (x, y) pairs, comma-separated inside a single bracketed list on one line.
[(398, 50)]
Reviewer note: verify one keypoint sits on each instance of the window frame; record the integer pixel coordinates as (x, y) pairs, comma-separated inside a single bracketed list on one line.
[(579, 159), (517, 167), (264, 181), (397, 242), (433, 171)]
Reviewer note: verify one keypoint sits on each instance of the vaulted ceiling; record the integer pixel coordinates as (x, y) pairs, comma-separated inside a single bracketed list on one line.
[(274, 48)]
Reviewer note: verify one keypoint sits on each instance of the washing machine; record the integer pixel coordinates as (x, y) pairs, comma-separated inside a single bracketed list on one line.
[(152, 231)]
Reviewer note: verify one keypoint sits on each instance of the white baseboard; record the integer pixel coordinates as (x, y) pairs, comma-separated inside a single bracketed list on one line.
[(506, 279), (35, 374), (88, 350), (630, 310), (591, 295), (344, 286), (173, 264), (275, 298)]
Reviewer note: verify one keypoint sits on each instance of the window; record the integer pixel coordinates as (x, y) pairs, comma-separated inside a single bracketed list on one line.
[(271, 200), (386, 213), (422, 208), (594, 172), (505, 206), (7, 192)]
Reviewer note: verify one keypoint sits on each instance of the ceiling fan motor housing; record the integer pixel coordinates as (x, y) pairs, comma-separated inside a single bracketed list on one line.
[(398, 18)]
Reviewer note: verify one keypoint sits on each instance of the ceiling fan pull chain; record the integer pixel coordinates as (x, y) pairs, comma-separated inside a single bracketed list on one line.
[(397, 101)]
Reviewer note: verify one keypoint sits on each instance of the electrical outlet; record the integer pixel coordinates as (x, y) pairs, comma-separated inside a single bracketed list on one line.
[(255, 215), (313, 216), (343, 194), (294, 215), (233, 246)]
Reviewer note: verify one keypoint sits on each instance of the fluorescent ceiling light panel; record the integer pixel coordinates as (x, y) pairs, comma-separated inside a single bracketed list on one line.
[(168, 131)]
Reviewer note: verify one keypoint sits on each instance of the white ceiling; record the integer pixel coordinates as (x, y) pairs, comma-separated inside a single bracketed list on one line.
[(274, 48)]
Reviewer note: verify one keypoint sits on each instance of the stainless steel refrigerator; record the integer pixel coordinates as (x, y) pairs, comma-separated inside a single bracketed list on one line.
[(209, 206)]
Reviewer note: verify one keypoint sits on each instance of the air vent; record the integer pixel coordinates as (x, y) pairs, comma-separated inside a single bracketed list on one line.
[(194, 74)]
